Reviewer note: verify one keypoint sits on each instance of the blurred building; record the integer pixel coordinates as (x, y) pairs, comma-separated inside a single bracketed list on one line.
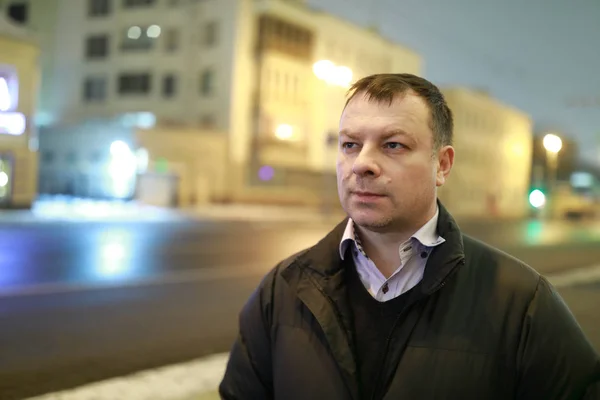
[(18, 91), (265, 79), (493, 143)]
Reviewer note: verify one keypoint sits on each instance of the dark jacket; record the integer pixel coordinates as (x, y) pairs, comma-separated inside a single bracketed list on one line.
[(483, 326)]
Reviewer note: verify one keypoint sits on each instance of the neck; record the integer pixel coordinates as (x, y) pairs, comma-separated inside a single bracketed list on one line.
[(383, 246)]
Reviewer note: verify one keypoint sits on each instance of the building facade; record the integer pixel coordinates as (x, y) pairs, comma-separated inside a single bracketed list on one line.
[(19, 79), (269, 76), (305, 61), (493, 142)]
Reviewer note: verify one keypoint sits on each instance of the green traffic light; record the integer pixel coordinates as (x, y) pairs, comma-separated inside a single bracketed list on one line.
[(537, 198)]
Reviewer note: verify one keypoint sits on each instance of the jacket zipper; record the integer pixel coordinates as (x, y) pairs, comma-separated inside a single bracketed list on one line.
[(400, 316), (337, 316)]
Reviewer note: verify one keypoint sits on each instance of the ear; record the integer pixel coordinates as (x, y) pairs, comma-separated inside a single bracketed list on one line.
[(445, 161)]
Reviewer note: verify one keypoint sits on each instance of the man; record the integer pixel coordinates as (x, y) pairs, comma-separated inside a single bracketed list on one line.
[(396, 303)]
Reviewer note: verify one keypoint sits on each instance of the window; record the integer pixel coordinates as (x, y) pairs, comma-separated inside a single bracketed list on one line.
[(99, 8), (47, 157), (169, 85), (134, 83), (211, 34), (137, 3), (171, 40), (96, 47), (94, 89), (18, 12), (207, 78), (140, 37)]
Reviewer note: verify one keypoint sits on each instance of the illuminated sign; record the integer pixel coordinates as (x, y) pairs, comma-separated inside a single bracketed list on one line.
[(11, 122), (5, 97)]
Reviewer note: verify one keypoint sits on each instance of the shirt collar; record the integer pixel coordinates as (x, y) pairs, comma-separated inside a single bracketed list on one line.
[(427, 235)]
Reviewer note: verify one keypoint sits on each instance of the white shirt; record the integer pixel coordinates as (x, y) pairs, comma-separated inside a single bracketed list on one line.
[(413, 257)]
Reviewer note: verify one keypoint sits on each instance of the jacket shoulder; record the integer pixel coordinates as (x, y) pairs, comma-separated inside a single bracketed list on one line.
[(270, 287), (508, 272)]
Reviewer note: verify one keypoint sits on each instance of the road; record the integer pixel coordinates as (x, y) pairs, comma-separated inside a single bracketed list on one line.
[(81, 302)]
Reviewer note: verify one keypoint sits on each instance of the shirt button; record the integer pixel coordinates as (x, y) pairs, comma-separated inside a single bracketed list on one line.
[(424, 254), (385, 288)]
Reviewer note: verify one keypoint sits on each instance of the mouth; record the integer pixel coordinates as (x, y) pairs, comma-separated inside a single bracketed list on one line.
[(367, 196)]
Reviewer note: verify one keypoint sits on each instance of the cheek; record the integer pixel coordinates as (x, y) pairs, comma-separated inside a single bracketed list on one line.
[(418, 174), (342, 168)]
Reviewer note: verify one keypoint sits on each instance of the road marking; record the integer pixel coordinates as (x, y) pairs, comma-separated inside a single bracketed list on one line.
[(197, 275), (175, 382), (576, 276)]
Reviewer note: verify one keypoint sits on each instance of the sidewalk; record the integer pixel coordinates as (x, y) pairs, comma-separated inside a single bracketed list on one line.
[(69, 209), (262, 213), (194, 380)]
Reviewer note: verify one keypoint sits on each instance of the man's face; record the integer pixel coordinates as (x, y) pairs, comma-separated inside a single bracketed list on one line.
[(387, 169)]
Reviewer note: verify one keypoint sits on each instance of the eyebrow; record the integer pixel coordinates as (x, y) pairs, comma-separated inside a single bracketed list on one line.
[(385, 136)]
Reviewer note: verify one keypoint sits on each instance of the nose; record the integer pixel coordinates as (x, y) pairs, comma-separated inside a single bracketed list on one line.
[(365, 164)]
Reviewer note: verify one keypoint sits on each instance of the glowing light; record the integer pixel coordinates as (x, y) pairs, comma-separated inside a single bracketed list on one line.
[(284, 132), (552, 143), (134, 32), (12, 123), (582, 180), (537, 198), (266, 173), (3, 179), (5, 98), (342, 76), (122, 168), (142, 159), (153, 31), (144, 120), (114, 258), (323, 69), (333, 74), (119, 148)]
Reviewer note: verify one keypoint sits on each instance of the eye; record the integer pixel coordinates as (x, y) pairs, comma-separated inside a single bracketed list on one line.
[(395, 145), (348, 145)]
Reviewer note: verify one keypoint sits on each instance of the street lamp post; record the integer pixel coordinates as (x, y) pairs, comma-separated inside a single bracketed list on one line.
[(552, 144)]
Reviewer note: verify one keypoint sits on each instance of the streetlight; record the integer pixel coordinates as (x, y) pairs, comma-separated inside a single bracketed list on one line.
[(552, 143)]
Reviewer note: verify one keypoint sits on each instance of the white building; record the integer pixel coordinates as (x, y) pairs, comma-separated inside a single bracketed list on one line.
[(241, 69), (493, 143)]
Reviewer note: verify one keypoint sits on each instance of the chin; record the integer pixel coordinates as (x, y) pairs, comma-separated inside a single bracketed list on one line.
[(370, 219)]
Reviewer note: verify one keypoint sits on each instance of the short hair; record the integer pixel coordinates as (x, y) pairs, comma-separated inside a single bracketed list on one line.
[(385, 87)]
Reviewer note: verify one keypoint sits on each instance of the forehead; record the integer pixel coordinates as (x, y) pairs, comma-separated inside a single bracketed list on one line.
[(407, 112)]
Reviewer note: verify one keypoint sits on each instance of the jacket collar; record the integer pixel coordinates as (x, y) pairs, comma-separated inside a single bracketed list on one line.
[(324, 257)]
